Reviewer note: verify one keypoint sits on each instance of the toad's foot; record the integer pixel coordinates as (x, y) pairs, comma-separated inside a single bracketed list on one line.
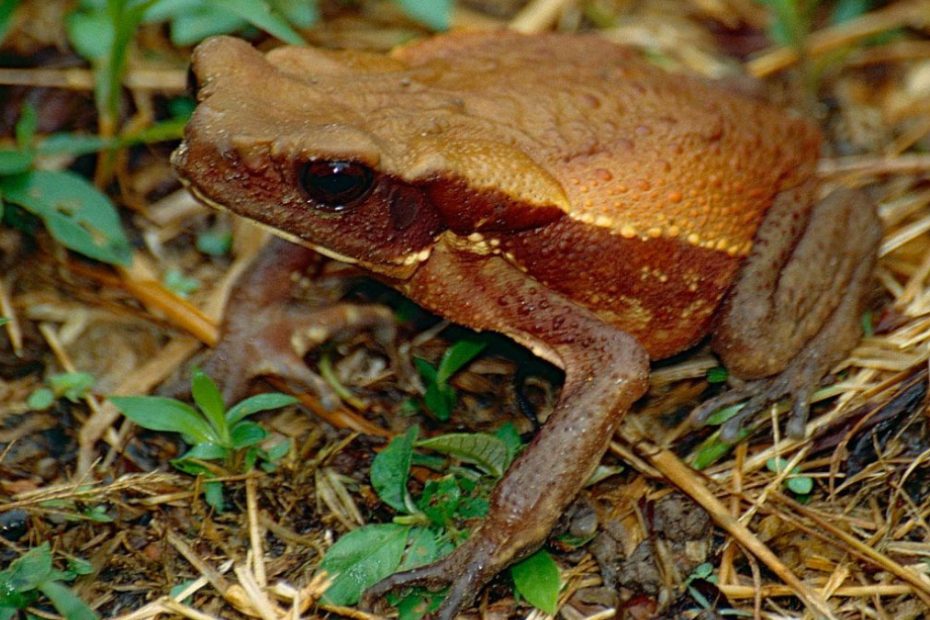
[(794, 311), (274, 340), (265, 333), (464, 572), (797, 382)]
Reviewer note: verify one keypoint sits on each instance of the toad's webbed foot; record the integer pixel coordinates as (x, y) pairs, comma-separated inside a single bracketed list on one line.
[(786, 341), (797, 382), (464, 572), (273, 341), (266, 333), (799, 379)]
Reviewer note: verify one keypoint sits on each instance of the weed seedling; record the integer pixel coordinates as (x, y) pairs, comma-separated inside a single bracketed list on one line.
[(213, 432)]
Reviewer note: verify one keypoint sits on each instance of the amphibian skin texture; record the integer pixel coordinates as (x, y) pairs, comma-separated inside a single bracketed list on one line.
[(554, 188)]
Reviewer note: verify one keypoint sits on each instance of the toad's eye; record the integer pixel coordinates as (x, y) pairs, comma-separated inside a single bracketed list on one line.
[(336, 185)]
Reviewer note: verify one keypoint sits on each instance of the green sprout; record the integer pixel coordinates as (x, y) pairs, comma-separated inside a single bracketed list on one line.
[(213, 432)]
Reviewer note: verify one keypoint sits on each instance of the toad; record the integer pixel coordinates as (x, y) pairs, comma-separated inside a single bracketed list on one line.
[(556, 189)]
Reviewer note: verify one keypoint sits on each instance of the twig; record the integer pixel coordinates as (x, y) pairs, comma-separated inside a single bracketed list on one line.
[(539, 15), (690, 483)]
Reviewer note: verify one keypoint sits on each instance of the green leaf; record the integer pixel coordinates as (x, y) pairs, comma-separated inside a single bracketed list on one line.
[(800, 485), (245, 434), (277, 450), (427, 371), (845, 10), (422, 548), (75, 212), (536, 578), (722, 415), (166, 10), (440, 399), (487, 452), (73, 144), (213, 495), (196, 25), (169, 129), (214, 242), (210, 402), (390, 469), (472, 508), (29, 570), (776, 464), (15, 162), (796, 483), (178, 283), (90, 33), (868, 328), (66, 602), (26, 126), (157, 413), (259, 14), (41, 399), (301, 13), (418, 603), (790, 23), (717, 374), (259, 402), (7, 8), (79, 566), (702, 571), (203, 452), (71, 385), (3, 320), (362, 558), (511, 437), (457, 357), (97, 514), (177, 589), (439, 499), (81, 144), (433, 13), (193, 468)]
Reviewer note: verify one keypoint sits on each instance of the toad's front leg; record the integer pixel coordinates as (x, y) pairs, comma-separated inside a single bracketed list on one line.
[(605, 371), (266, 333)]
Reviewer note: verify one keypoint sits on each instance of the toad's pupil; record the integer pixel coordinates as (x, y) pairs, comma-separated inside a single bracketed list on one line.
[(336, 185)]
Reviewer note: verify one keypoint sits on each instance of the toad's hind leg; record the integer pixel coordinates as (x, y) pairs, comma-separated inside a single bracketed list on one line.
[(795, 308)]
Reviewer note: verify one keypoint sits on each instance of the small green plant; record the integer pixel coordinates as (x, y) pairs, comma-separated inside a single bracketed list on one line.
[(536, 578), (702, 572), (7, 8), (430, 526), (214, 242), (32, 575), (440, 397), (213, 432), (791, 21), (178, 283), (71, 385), (434, 14), (794, 482), (75, 212), (717, 374), (77, 510)]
